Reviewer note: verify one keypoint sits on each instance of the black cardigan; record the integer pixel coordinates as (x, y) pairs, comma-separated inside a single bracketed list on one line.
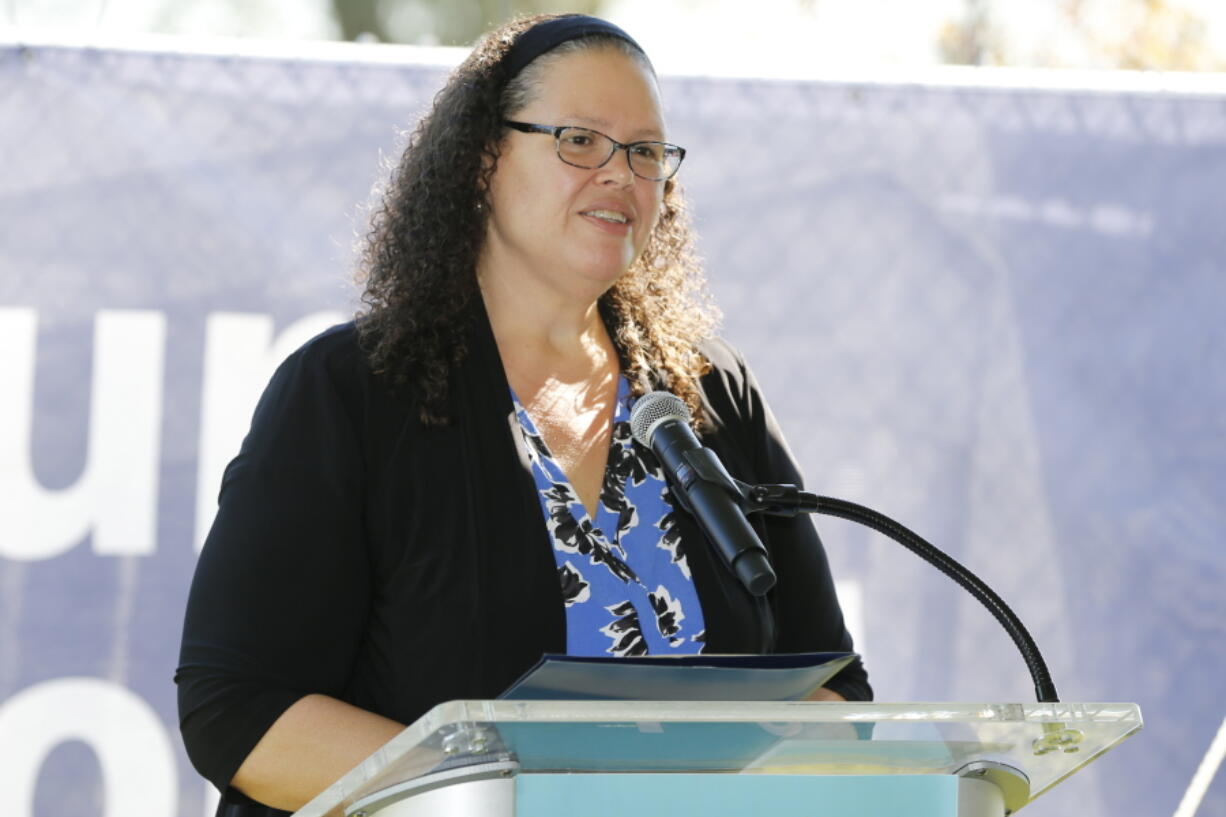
[(360, 554)]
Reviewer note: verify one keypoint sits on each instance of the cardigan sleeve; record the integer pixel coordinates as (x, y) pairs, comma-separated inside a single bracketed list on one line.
[(807, 612), (278, 603)]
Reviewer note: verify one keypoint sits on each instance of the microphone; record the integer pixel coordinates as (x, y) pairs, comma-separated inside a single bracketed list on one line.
[(661, 421)]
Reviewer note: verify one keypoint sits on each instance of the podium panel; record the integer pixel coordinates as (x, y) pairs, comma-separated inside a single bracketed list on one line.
[(515, 758), (738, 795), (667, 795)]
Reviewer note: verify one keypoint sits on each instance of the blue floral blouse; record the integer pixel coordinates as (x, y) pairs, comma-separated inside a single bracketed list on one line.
[(625, 581)]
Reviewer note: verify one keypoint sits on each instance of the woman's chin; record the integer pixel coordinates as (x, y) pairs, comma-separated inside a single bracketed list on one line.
[(604, 271), (597, 282)]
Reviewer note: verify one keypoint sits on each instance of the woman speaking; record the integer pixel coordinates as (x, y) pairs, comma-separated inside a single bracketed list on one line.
[(434, 495)]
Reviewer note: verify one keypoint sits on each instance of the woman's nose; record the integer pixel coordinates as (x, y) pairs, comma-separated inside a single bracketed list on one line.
[(617, 170)]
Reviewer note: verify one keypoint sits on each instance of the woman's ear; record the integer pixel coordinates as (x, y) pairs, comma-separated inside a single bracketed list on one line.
[(489, 162)]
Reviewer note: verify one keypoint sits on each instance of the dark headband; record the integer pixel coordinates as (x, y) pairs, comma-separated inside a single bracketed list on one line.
[(546, 36)]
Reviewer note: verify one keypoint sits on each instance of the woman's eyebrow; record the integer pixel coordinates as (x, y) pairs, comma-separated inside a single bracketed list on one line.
[(597, 123)]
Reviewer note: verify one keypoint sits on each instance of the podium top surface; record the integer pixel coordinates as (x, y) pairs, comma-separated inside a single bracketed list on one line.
[(1036, 745)]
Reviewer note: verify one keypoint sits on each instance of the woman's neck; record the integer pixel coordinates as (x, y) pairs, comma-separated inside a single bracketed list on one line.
[(543, 335)]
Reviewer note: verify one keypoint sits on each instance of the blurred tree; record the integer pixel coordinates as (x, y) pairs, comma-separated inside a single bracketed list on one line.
[(1135, 34), (441, 22), (359, 19), (972, 40), (1158, 34)]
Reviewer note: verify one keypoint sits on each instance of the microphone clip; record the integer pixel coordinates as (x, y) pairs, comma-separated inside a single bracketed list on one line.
[(770, 499), (777, 500)]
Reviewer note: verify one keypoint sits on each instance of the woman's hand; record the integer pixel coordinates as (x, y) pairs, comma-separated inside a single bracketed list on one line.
[(311, 746), (825, 694)]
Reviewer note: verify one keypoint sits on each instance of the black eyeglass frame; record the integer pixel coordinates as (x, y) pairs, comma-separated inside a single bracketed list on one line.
[(556, 132)]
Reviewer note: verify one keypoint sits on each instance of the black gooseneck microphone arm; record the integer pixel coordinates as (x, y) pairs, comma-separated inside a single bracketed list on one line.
[(660, 421), (788, 500)]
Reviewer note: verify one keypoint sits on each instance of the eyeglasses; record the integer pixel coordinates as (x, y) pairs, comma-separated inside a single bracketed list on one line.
[(583, 147)]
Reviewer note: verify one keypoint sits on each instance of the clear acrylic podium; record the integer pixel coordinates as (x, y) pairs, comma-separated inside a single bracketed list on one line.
[(717, 759)]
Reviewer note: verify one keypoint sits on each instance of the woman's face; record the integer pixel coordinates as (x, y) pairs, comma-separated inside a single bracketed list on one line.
[(574, 230)]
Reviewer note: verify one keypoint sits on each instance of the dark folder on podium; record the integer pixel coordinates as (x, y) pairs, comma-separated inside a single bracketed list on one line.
[(789, 677)]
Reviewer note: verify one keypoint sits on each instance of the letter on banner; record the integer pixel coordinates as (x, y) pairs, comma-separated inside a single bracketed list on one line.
[(240, 355), (116, 494), (130, 742)]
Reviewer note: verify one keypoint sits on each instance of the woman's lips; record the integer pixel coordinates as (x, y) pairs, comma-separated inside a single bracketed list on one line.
[(614, 222)]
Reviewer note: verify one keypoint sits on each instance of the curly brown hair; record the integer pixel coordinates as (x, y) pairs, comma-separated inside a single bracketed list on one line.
[(419, 261)]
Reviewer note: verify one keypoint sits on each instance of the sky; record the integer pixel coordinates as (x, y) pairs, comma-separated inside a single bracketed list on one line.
[(791, 38), (783, 36)]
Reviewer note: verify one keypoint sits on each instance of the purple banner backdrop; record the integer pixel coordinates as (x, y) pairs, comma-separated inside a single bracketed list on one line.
[(995, 313)]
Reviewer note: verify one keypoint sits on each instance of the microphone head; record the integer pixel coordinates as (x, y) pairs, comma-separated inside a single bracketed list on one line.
[(655, 408)]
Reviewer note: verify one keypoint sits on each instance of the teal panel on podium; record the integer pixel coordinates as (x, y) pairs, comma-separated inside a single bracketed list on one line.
[(734, 795)]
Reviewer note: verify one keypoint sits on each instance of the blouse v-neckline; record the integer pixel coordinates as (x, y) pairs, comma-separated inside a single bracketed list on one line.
[(620, 413)]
